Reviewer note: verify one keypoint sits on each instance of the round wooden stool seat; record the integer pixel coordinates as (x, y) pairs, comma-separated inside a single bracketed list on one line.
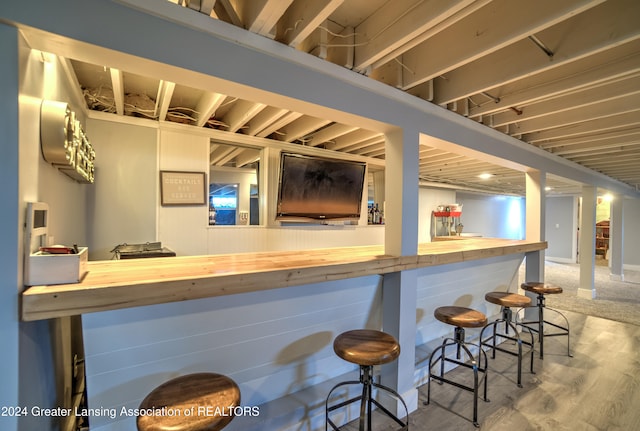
[(461, 317), (208, 398), (541, 288), (366, 347), (507, 299)]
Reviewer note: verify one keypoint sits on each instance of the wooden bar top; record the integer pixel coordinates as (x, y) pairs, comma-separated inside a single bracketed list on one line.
[(115, 284)]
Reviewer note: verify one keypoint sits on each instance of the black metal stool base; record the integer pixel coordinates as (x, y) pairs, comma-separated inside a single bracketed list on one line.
[(537, 326), (366, 402), (490, 341), (439, 355)]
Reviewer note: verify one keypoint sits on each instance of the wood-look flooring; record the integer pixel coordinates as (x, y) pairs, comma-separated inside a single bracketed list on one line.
[(597, 389)]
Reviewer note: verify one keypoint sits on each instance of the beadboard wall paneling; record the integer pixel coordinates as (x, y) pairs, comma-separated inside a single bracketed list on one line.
[(463, 284), (249, 239), (272, 343)]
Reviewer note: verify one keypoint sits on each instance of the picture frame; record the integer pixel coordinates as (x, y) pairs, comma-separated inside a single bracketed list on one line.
[(183, 188)]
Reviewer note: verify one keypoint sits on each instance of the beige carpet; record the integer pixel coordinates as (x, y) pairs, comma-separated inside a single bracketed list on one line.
[(615, 300)]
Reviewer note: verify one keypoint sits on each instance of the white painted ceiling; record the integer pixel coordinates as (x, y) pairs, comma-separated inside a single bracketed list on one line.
[(563, 76)]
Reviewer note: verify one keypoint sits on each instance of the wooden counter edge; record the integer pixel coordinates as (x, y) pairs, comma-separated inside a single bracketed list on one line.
[(44, 302)]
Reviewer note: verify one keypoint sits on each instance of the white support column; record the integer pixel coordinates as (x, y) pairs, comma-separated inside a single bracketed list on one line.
[(399, 290), (616, 239), (587, 246), (535, 223), (401, 193)]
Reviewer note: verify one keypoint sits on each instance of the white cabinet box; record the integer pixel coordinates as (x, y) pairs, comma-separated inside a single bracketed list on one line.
[(41, 268), (45, 268)]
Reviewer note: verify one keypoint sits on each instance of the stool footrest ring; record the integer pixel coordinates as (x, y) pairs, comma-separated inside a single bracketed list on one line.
[(366, 401), (479, 365)]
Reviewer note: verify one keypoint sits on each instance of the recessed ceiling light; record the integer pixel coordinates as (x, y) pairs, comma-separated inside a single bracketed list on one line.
[(485, 176)]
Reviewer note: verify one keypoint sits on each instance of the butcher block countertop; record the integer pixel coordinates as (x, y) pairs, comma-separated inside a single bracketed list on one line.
[(115, 284)]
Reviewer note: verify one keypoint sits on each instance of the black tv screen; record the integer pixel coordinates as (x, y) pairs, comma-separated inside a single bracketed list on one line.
[(319, 188)]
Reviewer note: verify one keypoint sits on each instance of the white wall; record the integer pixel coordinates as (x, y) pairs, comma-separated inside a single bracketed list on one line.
[(492, 216), (561, 222), (123, 202)]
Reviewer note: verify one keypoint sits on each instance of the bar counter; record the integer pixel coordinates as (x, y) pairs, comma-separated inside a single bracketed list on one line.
[(116, 284)]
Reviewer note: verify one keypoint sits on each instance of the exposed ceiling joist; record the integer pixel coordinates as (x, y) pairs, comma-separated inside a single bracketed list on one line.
[(260, 16), (303, 18), (483, 36), (163, 99), (118, 89), (207, 106), (592, 32), (611, 90), (561, 76)]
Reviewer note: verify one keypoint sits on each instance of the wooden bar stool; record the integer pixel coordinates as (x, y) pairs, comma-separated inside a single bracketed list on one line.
[(542, 289), (460, 317), (507, 300), (194, 402), (366, 348)]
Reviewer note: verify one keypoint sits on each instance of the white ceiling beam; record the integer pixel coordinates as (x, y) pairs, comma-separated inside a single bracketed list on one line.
[(302, 18), (229, 156), (282, 121), (593, 31), (193, 4), (477, 36), (206, 6), (600, 149), (241, 113), (570, 100), (629, 119), (260, 16), (441, 158), (302, 127), (604, 109), (595, 69), (350, 139), (329, 133), (118, 89), (218, 153), (606, 146), (207, 106), (401, 24), (163, 99), (371, 151), (248, 155), (375, 141), (224, 10), (75, 88), (623, 136), (341, 50), (263, 119)]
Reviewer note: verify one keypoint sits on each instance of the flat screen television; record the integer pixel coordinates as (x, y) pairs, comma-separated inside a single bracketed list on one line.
[(319, 188)]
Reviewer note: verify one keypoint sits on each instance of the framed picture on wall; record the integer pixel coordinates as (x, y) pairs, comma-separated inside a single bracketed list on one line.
[(183, 188)]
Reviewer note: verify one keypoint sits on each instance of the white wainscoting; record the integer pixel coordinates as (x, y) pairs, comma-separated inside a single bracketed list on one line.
[(253, 239), (462, 284), (272, 343)]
